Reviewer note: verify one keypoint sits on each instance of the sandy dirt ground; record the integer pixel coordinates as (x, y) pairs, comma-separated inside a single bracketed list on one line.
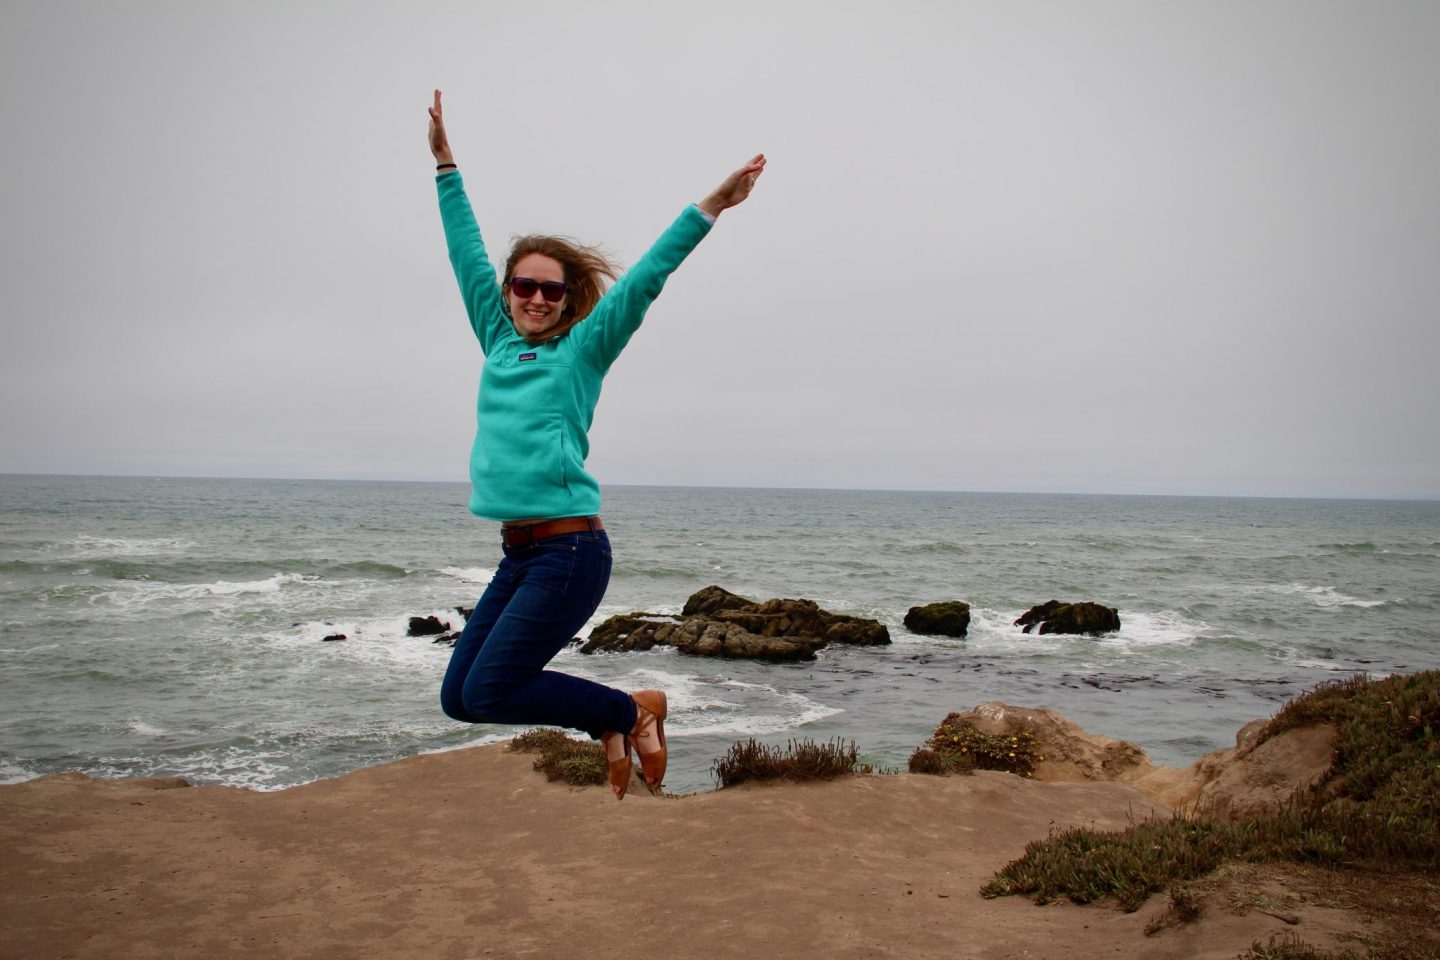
[(472, 854)]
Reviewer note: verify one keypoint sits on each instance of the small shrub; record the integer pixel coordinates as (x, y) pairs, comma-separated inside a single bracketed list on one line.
[(1186, 906), (941, 762), (957, 746), (798, 760), (539, 740), (577, 762)]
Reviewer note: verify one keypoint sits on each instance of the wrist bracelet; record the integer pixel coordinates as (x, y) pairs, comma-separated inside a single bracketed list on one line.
[(442, 166)]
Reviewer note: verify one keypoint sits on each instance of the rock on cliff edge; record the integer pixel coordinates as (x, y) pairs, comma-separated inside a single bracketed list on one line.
[(1250, 778)]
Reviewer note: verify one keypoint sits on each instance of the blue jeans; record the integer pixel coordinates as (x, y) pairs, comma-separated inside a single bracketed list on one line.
[(540, 596)]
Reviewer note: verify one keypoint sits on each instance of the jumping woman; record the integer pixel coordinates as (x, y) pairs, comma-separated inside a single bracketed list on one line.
[(550, 330)]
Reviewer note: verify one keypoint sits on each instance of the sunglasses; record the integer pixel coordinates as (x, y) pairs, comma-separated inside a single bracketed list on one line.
[(523, 287)]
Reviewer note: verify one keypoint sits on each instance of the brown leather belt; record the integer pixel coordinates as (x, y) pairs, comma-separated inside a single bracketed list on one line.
[(522, 535)]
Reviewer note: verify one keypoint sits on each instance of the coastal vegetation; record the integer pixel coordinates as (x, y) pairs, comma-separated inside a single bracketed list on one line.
[(577, 762), (1376, 808), (958, 746), (797, 761)]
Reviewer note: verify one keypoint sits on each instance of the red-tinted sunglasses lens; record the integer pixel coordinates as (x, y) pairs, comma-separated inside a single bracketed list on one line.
[(524, 288)]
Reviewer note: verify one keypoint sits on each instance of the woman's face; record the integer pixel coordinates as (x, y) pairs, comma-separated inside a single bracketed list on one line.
[(534, 314)]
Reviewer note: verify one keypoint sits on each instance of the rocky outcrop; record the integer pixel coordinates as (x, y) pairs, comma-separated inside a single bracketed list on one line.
[(717, 623), (1256, 777), (1056, 617), (426, 627), (948, 618), (713, 599), (1070, 752), (1253, 777), (432, 626)]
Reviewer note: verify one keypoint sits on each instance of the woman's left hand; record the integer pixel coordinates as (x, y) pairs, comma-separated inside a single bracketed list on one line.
[(735, 188)]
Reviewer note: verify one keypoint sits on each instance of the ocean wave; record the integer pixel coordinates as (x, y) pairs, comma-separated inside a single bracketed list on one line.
[(12, 772), (718, 705), (946, 548), (1326, 596), (146, 593), (339, 568), (995, 631), (189, 571), (375, 642), (140, 728), (1324, 663), (670, 573), (245, 765), (1146, 628), (91, 547), (479, 575), (1362, 547)]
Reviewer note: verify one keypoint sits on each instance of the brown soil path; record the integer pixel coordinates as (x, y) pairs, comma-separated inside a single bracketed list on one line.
[(471, 854)]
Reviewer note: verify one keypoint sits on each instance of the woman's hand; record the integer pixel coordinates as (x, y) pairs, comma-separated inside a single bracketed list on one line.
[(439, 145), (731, 192)]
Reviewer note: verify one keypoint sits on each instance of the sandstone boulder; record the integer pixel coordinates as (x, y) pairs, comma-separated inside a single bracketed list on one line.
[(1250, 778), (1070, 752), (1253, 778), (948, 618)]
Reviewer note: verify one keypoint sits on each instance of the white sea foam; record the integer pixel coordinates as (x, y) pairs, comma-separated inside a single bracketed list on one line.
[(1325, 596), (702, 706), (142, 729), (146, 592), (995, 631), (1159, 627), (1320, 663), (233, 766), (225, 588), (14, 773), (27, 651), (377, 642), (85, 546), (480, 575)]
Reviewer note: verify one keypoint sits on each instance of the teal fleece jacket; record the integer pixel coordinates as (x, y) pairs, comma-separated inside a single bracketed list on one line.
[(537, 401)]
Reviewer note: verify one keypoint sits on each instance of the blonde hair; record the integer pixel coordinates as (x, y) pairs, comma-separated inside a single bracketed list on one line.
[(586, 269)]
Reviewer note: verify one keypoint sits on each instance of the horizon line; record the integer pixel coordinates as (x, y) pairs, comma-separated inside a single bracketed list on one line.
[(1402, 498)]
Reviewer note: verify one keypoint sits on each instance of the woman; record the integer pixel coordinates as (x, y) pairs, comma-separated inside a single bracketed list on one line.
[(550, 332)]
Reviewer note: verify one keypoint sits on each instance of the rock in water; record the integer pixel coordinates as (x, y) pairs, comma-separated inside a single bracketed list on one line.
[(713, 599), (717, 623), (1056, 617), (427, 627), (948, 618)]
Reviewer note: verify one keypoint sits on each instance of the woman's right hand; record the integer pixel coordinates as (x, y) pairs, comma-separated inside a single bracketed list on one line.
[(439, 144)]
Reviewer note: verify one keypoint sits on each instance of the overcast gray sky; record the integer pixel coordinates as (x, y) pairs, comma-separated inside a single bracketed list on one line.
[(1126, 247)]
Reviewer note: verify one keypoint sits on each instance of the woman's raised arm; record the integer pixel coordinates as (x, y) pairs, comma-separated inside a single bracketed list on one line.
[(439, 143), (479, 287), (731, 192)]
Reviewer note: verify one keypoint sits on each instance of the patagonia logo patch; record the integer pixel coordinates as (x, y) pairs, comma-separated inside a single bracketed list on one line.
[(527, 356)]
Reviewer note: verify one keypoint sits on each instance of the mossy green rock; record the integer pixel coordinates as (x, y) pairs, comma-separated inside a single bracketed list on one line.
[(949, 618)]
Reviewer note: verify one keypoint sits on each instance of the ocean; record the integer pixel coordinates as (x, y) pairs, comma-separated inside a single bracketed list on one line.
[(174, 627)]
